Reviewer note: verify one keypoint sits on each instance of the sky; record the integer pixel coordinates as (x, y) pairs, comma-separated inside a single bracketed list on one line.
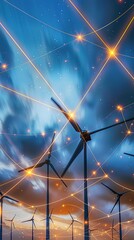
[(81, 53)]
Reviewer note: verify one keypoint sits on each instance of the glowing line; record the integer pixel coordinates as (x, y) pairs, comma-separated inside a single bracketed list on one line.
[(108, 24), (92, 84), (124, 33), (120, 185), (38, 57), (58, 30), (15, 185), (27, 97), (124, 68), (40, 74), (3, 184), (80, 13), (66, 179), (124, 120), (38, 20)]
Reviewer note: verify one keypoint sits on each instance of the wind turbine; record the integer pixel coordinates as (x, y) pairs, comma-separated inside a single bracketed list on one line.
[(119, 195), (49, 164), (72, 224), (50, 217), (85, 137), (129, 154), (33, 223), (1, 210), (12, 225)]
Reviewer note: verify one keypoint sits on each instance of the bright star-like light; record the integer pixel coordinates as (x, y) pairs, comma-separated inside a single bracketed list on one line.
[(29, 172), (80, 37), (129, 132), (119, 108), (112, 53), (4, 66)]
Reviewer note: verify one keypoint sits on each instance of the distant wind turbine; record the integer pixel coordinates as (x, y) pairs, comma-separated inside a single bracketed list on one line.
[(72, 224), (85, 137), (49, 164), (119, 195), (129, 154), (11, 226), (1, 210), (50, 217), (33, 223)]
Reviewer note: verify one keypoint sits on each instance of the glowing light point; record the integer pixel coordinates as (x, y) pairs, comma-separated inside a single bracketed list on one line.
[(4, 66), (72, 195), (43, 134), (112, 53), (119, 108), (129, 132), (80, 37), (106, 175), (71, 115), (93, 207), (29, 172), (94, 172)]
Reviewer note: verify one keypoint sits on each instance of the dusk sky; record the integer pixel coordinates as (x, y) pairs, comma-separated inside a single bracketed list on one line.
[(81, 53)]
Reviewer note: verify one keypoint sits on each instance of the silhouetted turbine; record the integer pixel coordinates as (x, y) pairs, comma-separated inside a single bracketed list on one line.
[(119, 195), (85, 137), (1, 210), (11, 226), (72, 224), (33, 223), (48, 163), (50, 217), (129, 154)]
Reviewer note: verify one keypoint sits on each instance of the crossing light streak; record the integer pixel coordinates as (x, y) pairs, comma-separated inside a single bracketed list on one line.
[(32, 64)]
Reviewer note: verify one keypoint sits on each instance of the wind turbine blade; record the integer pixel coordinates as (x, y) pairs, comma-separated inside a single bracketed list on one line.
[(57, 174), (14, 226), (70, 225), (12, 199), (114, 125), (75, 154), (71, 215), (109, 188), (51, 212), (77, 221), (92, 230), (43, 219), (73, 123), (13, 217), (115, 204), (34, 224), (129, 154), (50, 149), (34, 166), (51, 220), (27, 221), (34, 212)]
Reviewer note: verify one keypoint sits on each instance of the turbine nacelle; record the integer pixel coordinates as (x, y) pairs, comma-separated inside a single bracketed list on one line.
[(85, 135)]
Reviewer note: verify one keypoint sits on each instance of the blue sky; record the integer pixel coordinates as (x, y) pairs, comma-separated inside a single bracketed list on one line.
[(46, 32)]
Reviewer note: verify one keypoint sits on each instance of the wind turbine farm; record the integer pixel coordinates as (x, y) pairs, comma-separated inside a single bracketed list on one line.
[(66, 120)]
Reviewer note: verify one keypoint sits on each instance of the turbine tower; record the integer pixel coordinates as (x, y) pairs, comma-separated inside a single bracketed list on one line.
[(119, 195), (11, 226), (1, 210), (49, 164), (85, 137)]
